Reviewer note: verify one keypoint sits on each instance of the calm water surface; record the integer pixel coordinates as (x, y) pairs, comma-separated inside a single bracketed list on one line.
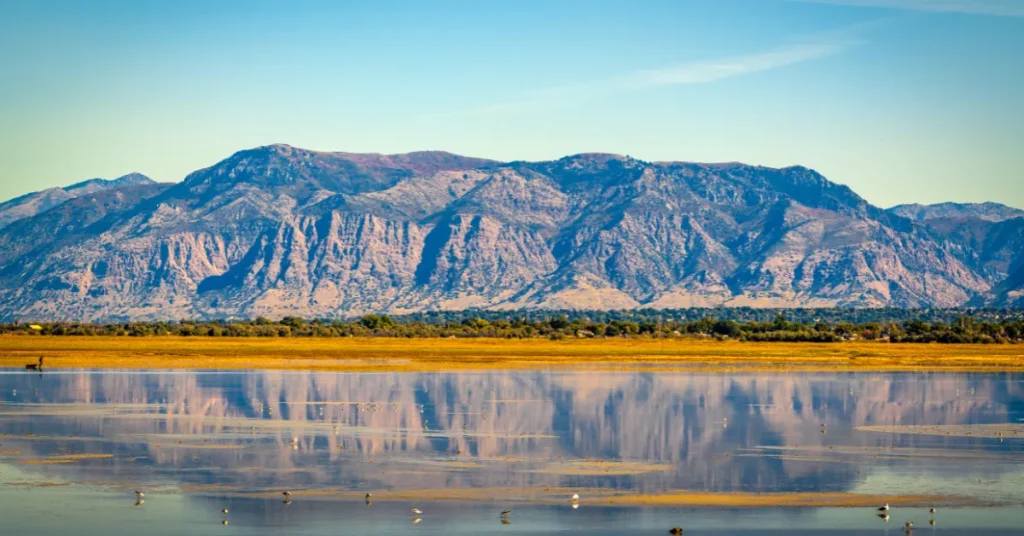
[(198, 442)]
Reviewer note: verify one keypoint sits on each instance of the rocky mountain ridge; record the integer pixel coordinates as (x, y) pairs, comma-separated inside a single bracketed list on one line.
[(994, 212), (34, 203), (279, 230)]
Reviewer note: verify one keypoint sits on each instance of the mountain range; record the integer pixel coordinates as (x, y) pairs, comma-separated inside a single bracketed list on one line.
[(279, 230)]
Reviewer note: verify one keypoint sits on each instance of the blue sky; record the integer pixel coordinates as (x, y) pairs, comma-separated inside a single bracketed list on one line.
[(903, 100)]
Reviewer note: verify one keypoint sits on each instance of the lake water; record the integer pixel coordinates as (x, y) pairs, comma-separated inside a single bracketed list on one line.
[(76, 444)]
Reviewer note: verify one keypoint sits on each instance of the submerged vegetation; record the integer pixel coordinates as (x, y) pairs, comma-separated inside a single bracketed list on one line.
[(893, 325)]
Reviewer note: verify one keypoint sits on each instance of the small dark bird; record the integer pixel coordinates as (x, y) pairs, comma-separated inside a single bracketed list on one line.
[(908, 525), (884, 508), (932, 510), (35, 366), (505, 513), (139, 494), (286, 493), (676, 530)]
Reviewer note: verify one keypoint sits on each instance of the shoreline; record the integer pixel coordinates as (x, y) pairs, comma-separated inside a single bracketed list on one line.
[(617, 498), (600, 497), (353, 354)]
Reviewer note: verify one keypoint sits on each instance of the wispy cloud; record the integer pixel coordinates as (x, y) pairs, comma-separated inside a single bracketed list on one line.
[(1003, 8), (703, 72), (700, 72)]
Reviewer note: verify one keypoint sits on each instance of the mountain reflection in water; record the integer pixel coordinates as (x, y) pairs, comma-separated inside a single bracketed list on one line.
[(643, 432)]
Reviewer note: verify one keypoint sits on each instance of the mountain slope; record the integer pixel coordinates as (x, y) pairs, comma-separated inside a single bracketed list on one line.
[(34, 203), (1009, 293), (278, 230), (994, 212)]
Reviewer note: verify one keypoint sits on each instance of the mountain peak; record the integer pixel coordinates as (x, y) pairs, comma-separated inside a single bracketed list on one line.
[(302, 173), (92, 185)]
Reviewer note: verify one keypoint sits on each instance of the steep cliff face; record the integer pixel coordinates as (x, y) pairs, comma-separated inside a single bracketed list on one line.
[(279, 230)]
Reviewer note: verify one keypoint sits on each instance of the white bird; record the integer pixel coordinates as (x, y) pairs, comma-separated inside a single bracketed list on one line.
[(932, 510), (908, 525), (575, 496), (505, 513), (139, 494), (884, 508), (224, 511), (417, 511)]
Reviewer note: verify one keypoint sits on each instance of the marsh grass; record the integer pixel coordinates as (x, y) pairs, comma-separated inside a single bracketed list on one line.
[(383, 354)]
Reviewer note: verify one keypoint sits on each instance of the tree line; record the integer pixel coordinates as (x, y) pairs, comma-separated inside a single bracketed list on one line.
[(973, 327)]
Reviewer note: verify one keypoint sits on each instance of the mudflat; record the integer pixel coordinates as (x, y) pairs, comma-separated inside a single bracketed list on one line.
[(392, 354)]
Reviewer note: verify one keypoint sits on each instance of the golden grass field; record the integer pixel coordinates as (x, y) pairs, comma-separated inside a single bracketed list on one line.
[(386, 354)]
